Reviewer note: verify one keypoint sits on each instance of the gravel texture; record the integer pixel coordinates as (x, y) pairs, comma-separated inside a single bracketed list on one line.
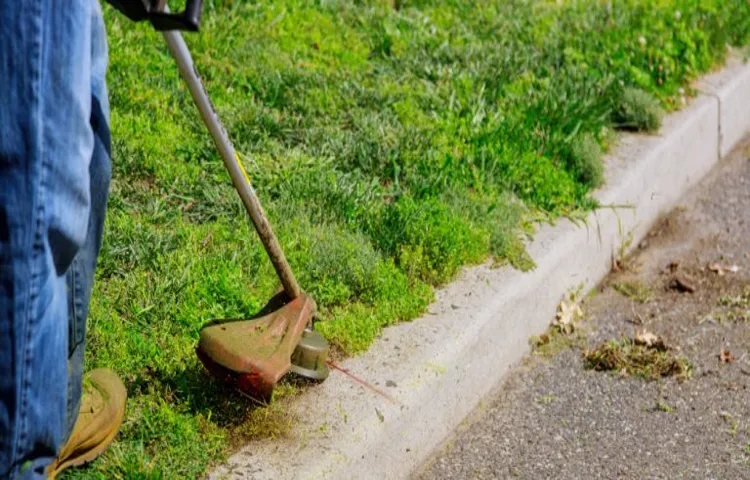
[(552, 418)]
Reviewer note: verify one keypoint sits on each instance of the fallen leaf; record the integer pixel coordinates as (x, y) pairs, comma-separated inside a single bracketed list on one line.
[(567, 315), (726, 356), (682, 283), (543, 339), (650, 340), (723, 269), (716, 268)]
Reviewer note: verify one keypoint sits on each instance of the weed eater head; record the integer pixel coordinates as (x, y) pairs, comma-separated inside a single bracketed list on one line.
[(252, 355)]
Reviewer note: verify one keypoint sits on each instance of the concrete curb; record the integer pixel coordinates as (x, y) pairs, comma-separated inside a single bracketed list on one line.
[(731, 87), (440, 367)]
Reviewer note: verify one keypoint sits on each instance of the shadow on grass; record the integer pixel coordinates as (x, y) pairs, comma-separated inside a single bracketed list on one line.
[(241, 418), (182, 417)]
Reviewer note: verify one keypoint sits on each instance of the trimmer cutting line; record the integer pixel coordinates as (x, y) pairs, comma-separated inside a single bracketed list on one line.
[(250, 355)]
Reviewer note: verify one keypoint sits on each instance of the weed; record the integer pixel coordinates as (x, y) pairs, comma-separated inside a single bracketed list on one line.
[(586, 158), (734, 308), (734, 428), (547, 399), (664, 407), (627, 357), (437, 369), (637, 110), (736, 301), (619, 261), (634, 290), (429, 240), (734, 316)]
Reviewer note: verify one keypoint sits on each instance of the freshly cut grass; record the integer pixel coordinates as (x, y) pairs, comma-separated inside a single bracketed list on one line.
[(392, 143), (554, 341), (630, 358)]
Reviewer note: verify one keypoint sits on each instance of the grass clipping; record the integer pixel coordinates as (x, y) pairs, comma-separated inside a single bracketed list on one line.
[(635, 291), (562, 333), (646, 356)]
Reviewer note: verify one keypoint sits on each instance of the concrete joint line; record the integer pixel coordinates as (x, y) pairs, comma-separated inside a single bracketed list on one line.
[(716, 97)]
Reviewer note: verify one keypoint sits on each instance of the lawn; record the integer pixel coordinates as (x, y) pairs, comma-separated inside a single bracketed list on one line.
[(391, 142)]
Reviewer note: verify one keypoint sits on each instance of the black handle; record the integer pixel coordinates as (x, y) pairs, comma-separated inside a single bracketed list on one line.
[(189, 19), (138, 10)]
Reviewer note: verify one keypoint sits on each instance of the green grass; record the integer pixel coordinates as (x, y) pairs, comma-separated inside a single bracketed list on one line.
[(736, 301), (733, 308), (390, 146), (664, 407), (634, 290)]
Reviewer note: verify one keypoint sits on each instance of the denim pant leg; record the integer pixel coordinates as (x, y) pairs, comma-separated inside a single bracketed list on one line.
[(46, 147), (80, 278)]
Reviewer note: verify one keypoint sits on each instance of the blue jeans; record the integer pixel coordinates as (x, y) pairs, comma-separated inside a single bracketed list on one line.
[(54, 179)]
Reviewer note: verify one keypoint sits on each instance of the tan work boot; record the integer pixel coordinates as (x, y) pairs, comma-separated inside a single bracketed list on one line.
[(99, 419)]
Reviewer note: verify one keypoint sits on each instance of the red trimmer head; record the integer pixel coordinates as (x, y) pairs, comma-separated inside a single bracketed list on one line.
[(252, 355)]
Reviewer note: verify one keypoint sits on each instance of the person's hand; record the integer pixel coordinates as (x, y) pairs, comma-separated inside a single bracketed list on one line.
[(157, 12), (136, 10)]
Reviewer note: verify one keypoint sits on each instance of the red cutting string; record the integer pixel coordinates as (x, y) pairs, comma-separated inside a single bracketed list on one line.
[(363, 383)]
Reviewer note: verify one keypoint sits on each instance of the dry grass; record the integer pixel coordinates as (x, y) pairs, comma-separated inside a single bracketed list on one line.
[(637, 360), (554, 341)]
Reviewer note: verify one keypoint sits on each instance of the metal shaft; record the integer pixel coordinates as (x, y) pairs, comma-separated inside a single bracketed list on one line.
[(181, 54)]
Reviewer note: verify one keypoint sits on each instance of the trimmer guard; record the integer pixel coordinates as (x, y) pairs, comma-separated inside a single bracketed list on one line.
[(252, 355)]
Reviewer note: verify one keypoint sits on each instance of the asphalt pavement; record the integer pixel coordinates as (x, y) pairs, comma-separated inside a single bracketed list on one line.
[(687, 283)]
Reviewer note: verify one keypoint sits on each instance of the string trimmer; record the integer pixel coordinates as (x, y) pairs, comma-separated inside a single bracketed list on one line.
[(250, 355)]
